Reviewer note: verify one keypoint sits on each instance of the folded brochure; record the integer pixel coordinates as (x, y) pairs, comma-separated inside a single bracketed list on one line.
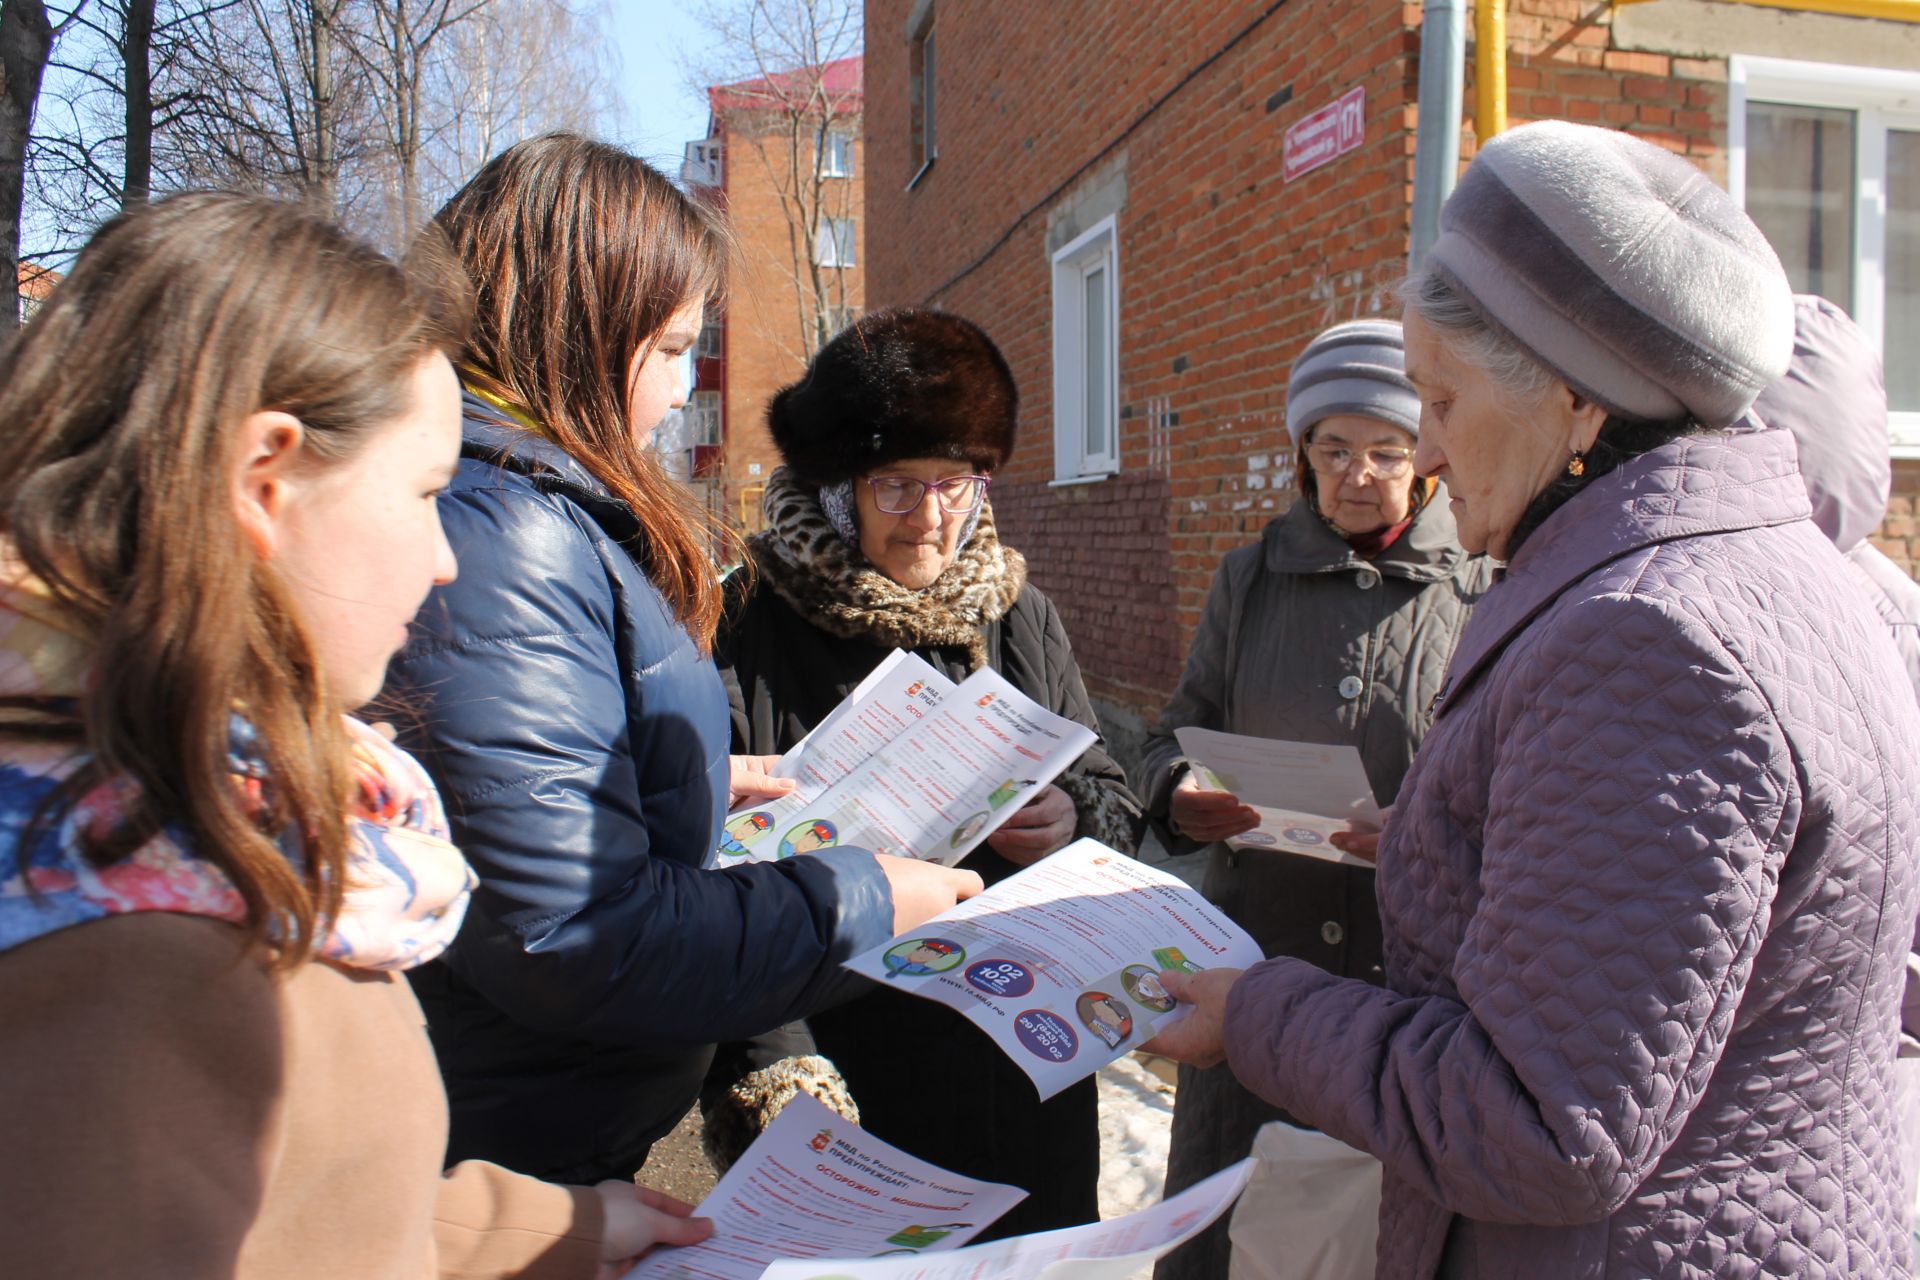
[(894, 696), (1060, 963), (817, 1185), (1112, 1250), (1304, 792), (818, 1198), (910, 764)]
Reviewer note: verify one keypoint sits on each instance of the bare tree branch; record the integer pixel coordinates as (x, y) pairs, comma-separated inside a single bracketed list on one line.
[(367, 109), (783, 102)]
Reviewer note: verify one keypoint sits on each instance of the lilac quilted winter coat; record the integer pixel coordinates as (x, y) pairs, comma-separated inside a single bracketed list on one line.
[(1647, 896)]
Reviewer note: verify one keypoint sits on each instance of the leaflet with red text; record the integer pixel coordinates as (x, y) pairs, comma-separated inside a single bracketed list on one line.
[(895, 696), (816, 1185), (1061, 963), (1112, 1250), (958, 769)]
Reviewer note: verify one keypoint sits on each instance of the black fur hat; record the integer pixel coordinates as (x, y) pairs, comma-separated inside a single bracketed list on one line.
[(906, 382)]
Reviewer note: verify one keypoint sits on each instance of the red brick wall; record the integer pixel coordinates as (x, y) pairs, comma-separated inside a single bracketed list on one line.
[(1899, 534), (1111, 545), (1562, 65), (1225, 269), (763, 339)]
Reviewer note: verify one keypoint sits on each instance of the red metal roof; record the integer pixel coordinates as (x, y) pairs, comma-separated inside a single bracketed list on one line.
[(841, 80)]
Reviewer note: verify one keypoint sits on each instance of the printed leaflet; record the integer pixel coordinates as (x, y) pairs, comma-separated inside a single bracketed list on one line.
[(1061, 963)]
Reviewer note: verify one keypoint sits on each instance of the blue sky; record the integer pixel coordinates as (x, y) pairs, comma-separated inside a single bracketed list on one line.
[(661, 114)]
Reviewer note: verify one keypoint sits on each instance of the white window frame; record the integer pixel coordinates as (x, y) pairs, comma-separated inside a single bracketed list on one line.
[(1097, 247), (1881, 99), (702, 163), (828, 247), (707, 345), (925, 136), (836, 153), (703, 419)]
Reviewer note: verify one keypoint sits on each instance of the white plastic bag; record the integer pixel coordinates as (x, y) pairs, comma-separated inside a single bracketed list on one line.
[(1312, 1211)]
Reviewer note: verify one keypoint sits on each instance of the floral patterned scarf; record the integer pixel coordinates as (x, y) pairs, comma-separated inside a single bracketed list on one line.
[(407, 889)]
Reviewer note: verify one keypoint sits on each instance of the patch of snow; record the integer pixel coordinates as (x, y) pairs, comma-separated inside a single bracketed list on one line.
[(1136, 1120)]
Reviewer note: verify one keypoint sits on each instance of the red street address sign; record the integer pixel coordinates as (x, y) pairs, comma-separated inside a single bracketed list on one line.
[(1326, 134)]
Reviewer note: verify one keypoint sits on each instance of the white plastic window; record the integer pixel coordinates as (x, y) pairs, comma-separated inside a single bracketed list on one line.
[(1086, 355), (833, 244), (703, 418), (836, 155), (1826, 159)]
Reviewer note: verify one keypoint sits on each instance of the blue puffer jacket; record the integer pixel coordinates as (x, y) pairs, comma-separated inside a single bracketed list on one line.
[(581, 740)]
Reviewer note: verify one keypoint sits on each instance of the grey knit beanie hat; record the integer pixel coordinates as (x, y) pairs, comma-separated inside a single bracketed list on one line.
[(1620, 267), (1358, 367)]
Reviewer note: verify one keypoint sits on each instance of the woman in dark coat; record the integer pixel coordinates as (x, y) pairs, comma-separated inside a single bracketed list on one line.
[(880, 537)]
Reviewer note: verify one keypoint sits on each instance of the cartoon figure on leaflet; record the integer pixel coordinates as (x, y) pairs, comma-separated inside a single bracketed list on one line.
[(918, 1237), (1105, 1016), (816, 833), (1143, 984), (1008, 790), (741, 829), (918, 956)]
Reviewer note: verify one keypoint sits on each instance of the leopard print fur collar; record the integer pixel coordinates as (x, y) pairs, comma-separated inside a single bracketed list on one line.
[(833, 586)]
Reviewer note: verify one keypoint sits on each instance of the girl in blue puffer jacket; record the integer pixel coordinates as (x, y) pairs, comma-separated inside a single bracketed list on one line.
[(568, 707)]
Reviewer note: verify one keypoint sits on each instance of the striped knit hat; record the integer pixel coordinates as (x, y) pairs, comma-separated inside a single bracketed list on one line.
[(1620, 267), (1359, 368)]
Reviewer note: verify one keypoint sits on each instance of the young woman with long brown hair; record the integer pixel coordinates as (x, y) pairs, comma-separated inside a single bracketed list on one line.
[(226, 434), (567, 702)]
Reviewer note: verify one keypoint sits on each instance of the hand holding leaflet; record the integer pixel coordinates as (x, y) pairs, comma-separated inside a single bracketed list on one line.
[(1110, 1250), (1061, 963), (815, 1184), (1304, 792), (936, 790), (894, 696)]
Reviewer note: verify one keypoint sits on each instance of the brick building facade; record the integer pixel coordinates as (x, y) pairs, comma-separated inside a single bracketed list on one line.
[(760, 338), (1105, 188)]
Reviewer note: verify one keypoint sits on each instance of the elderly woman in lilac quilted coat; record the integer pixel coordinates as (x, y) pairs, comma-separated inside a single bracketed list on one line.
[(1649, 887)]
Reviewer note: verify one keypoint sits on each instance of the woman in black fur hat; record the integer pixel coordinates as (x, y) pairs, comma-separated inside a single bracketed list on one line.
[(880, 537)]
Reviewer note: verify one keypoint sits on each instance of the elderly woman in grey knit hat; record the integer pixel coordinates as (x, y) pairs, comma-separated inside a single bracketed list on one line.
[(1649, 888), (1334, 627)]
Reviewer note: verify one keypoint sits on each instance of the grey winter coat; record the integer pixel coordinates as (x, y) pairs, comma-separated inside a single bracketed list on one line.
[(1647, 895), (1303, 640)]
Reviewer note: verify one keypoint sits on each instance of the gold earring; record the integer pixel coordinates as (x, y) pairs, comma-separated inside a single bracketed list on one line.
[(1577, 464)]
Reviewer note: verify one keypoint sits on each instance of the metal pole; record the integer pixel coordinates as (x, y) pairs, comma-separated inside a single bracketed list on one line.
[(1436, 149)]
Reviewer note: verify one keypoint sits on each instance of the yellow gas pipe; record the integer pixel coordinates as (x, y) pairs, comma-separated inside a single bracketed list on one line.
[(1490, 68)]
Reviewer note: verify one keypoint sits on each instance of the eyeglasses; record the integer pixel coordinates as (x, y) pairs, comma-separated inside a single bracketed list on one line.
[(1385, 461), (897, 495)]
